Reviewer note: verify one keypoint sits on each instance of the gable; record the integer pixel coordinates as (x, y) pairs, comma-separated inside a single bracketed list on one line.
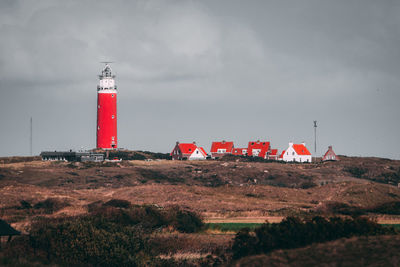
[(198, 153)]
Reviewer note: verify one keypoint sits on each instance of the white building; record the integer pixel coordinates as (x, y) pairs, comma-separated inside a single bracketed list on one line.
[(296, 153)]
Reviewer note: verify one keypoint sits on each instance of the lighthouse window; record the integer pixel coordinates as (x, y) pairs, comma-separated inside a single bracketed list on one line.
[(98, 127), (112, 117), (112, 95)]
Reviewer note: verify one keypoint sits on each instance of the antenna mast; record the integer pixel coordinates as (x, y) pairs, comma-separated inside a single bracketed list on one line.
[(315, 140), (31, 139)]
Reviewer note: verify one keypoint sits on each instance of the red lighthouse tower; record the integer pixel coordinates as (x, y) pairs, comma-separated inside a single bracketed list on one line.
[(106, 110)]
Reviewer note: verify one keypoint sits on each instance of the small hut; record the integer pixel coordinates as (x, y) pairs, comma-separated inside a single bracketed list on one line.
[(330, 155), (7, 230)]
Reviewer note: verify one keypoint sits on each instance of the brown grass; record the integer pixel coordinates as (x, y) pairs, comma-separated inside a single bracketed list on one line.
[(245, 196)]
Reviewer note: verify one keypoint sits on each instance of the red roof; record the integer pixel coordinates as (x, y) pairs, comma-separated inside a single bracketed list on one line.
[(221, 145), (202, 150), (283, 153), (301, 149), (274, 152), (187, 148), (263, 146)]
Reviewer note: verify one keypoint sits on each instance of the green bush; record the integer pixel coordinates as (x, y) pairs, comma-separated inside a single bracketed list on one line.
[(293, 232), (307, 185), (188, 222), (89, 241), (118, 203), (387, 208), (357, 172), (51, 205)]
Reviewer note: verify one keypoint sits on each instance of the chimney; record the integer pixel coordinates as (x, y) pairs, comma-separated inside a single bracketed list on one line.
[(194, 142), (330, 147), (303, 143), (290, 144), (177, 142)]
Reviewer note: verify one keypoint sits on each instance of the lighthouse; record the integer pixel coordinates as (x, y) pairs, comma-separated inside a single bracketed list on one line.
[(106, 132)]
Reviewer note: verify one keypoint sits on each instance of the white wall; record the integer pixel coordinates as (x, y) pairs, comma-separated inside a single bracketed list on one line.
[(196, 155)]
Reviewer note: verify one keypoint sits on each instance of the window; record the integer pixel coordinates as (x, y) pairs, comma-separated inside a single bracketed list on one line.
[(197, 152), (98, 127), (292, 153), (112, 138), (112, 116), (98, 106), (112, 95)]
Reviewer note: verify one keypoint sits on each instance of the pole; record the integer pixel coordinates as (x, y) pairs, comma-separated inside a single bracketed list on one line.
[(315, 140), (31, 139)]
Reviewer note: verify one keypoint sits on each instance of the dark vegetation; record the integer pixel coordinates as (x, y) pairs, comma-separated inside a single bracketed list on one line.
[(355, 251), (357, 172), (27, 208), (137, 155), (7, 160), (112, 234), (293, 232), (248, 159), (333, 207), (387, 176)]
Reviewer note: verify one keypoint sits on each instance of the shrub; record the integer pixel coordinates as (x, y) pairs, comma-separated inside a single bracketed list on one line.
[(292, 232), (357, 172), (387, 208), (118, 203), (149, 217), (25, 204), (245, 244), (334, 207), (188, 222), (88, 241), (307, 184), (51, 205)]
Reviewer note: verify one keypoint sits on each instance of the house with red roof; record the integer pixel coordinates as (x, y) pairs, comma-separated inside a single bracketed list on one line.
[(239, 151), (330, 155), (220, 149), (273, 155), (296, 153), (188, 151), (258, 148), (281, 155)]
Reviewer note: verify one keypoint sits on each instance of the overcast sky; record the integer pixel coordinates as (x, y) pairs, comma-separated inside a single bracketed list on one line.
[(203, 71)]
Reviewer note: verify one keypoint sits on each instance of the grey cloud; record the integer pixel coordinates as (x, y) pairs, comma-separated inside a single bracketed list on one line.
[(202, 70)]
